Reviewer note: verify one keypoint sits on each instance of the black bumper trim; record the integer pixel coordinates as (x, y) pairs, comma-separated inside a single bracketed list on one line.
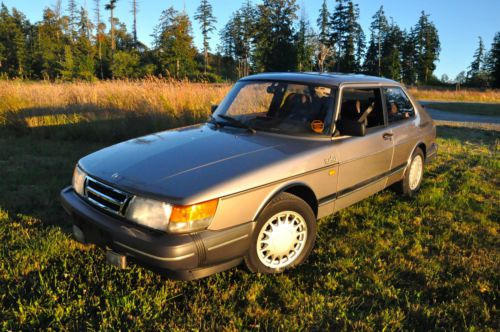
[(166, 259)]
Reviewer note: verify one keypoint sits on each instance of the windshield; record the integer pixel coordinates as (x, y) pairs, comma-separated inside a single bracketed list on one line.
[(282, 107)]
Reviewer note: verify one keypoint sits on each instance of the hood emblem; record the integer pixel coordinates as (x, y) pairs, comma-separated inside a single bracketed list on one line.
[(115, 176)]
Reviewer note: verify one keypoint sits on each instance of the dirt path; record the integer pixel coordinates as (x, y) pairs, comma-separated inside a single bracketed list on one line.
[(459, 117)]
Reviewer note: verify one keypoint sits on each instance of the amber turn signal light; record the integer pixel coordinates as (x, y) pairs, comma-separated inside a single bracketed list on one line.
[(194, 212)]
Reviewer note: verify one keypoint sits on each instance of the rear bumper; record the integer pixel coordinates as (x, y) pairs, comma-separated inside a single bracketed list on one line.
[(186, 256)]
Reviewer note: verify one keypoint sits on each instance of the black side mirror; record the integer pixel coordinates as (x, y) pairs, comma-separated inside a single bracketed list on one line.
[(213, 108), (351, 127)]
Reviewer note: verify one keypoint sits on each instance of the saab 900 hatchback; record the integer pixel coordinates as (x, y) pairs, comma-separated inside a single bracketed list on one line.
[(281, 151)]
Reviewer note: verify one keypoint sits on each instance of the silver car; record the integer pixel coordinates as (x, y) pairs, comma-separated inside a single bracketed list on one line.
[(281, 151)]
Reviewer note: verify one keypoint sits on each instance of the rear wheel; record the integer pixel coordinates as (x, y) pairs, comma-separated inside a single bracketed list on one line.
[(413, 175), (283, 237)]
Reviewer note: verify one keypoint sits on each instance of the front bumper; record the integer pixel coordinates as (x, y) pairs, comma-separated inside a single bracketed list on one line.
[(186, 256)]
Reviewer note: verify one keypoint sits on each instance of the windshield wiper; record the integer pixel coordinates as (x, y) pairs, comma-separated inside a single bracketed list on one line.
[(236, 122), (217, 124)]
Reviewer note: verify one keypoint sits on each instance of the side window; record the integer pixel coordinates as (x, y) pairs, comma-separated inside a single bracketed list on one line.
[(362, 105), (399, 106)]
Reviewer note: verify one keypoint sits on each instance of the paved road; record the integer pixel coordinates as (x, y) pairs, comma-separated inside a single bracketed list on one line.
[(458, 117)]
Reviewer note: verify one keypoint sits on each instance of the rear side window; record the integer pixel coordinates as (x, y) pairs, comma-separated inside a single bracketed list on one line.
[(362, 105), (399, 107)]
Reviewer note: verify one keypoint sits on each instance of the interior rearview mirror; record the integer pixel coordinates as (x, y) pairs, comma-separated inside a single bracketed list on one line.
[(213, 108), (351, 127)]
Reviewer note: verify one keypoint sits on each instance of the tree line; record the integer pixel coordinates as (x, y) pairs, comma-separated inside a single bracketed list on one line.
[(71, 44)]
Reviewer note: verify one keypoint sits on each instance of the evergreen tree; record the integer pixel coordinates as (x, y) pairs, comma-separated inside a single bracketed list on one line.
[(305, 45), (322, 21), (99, 36), (135, 10), (370, 65), (72, 19), (338, 30), (274, 38), (493, 61), (409, 58), (83, 50), (477, 75), (391, 53), (174, 44), (379, 28), (13, 47), (49, 46), (427, 46), (238, 39), (111, 7), (207, 22)]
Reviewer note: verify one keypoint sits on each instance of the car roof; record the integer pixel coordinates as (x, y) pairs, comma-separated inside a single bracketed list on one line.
[(319, 78)]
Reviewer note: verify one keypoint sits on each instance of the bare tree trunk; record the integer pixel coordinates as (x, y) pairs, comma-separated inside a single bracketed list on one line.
[(206, 61), (379, 55), (134, 10), (99, 35), (113, 44)]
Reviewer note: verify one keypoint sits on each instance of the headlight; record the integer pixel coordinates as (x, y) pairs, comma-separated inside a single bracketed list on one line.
[(173, 219), (78, 180), (150, 213)]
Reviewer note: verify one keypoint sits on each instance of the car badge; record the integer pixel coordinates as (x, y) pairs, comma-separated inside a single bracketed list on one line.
[(115, 176), (330, 160)]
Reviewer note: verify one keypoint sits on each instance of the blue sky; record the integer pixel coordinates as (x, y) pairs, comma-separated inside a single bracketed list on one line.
[(459, 22)]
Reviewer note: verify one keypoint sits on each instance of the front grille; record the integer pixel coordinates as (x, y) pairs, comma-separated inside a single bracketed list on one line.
[(106, 197)]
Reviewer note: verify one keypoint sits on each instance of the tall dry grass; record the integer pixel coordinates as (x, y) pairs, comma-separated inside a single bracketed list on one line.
[(44, 104), (104, 111), (463, 95), (157, 104)]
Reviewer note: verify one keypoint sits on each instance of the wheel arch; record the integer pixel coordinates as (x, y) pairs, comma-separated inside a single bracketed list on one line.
[(299, 189), (421, 145)]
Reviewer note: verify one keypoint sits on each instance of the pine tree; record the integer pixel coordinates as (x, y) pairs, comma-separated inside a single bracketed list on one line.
[(99, 35), (409, 58), (73, 19), (428, 47), (305, 45), (237, 38), (476, 75), (274, 44), (379, 28), (338, 29), (322, 21), (207, 22), (83, 50), (174, 44), (493, 61), (13, 44), (111, 7), (135, 10), (391, 53)]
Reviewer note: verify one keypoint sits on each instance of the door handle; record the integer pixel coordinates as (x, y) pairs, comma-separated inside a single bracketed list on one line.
[(388, 136)]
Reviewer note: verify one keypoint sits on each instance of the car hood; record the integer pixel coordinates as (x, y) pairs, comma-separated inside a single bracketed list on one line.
[(180, 163)]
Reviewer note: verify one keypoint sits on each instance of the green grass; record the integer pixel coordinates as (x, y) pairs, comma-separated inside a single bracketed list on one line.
[(466, 108), (384, 263)]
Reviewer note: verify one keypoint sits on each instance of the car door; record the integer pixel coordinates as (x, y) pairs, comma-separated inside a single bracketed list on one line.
[(402, 123), (364, 162)]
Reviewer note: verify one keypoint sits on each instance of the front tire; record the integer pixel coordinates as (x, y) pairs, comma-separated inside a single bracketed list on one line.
[(283, 237), (414, 174)]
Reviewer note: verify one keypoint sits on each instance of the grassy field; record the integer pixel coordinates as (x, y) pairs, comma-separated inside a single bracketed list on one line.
[(467, 108), (463, 95), (385, 263)]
